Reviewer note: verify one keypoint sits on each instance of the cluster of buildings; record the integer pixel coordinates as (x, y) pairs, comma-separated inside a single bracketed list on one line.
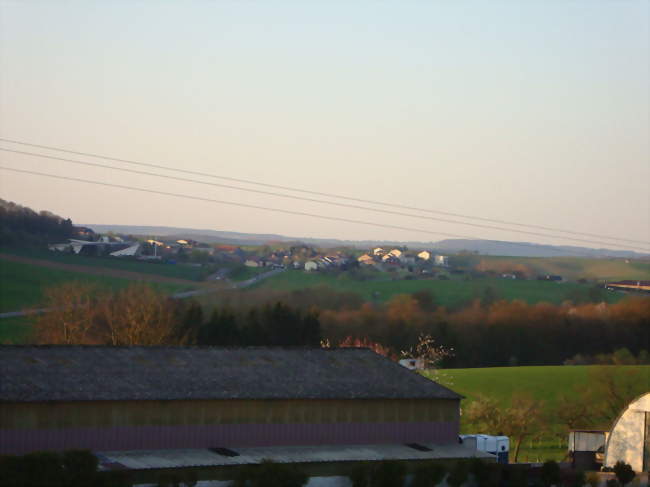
[(399, 257)]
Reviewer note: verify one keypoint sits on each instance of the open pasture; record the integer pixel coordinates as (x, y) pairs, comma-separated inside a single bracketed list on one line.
[(452, 292)]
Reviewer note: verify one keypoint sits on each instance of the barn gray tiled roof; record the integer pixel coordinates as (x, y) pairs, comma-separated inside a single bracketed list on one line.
[(101, 373)]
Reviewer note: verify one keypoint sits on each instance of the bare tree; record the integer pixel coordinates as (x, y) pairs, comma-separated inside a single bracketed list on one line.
[(83, 314), (139, 315), (520, 420), (70, 317)]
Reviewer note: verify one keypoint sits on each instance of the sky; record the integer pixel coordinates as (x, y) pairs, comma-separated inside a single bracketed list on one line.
[(534, 112)]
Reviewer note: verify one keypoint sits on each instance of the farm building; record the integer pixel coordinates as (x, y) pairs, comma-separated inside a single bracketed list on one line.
[(586, 448), (629, 439), (643, 286), (152, 398)]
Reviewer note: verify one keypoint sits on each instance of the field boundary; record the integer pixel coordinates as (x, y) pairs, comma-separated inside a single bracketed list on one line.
[(100, 271)]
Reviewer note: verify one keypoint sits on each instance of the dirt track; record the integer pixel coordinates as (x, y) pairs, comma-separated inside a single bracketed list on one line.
[(101, 271)]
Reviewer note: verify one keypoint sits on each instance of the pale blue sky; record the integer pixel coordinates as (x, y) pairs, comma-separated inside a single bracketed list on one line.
[(531, 111)]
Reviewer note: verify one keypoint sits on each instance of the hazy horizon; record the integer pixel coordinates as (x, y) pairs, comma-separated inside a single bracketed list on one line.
[(531, 112)]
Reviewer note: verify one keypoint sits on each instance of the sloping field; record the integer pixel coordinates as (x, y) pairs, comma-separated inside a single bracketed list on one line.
[(453, 292), (544, 383), (174, 271), (572, 268), (23, 280)]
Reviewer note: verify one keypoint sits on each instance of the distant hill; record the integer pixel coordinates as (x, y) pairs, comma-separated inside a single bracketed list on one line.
[(483, 247)]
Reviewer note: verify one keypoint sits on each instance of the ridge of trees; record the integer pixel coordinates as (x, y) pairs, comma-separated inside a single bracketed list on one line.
[(22, 225)]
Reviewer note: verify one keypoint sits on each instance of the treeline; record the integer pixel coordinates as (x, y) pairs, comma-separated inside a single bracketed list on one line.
[(269, 325), (80, 313), (501, 333), (22, 225), (485, 334)]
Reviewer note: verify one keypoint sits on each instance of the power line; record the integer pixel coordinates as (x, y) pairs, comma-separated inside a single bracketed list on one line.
[(265, 208), (328, 195), (313, 200)]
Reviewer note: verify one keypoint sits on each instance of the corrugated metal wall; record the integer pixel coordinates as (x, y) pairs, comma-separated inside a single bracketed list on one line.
[(202, 424)]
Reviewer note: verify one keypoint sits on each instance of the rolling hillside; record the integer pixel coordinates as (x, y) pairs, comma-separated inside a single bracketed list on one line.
[(453, 292)]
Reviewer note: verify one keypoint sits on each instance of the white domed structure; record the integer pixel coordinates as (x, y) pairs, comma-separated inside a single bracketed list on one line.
[(629, 440)]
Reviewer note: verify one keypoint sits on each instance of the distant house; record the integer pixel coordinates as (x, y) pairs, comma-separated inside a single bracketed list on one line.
[(424, 255), (390, 259), (630, 285), (310, 265), (441, 260), (552, 277), (253, 262), (131, 251), (366, 259), (378, 251), (397, 253), (413, 363), (84, 232), (205, 250), (62, 247)]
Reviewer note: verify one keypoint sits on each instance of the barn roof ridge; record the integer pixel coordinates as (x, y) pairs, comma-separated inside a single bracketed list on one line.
[(35, 373)]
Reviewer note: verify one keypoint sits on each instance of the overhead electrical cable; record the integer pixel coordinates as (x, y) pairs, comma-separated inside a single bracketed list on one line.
[(318, 193), (313, 200), (276, 210)]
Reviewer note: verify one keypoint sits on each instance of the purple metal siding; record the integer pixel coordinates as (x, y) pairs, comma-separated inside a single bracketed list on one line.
[(232, 435)]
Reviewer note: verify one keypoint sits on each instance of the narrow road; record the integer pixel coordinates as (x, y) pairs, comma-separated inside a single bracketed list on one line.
[(180, 295)]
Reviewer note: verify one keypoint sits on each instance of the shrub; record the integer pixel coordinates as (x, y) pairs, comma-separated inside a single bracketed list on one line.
[(80, 467), (550, 473), (428, 474), (360, 475), (573, 478), (458, 474), (624, 473), (388, 474), (270, 474)]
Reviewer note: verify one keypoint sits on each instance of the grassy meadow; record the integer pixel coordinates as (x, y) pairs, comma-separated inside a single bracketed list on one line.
[(545, 383), (453, 292), (572, 268), (22, 285), (176, 271)]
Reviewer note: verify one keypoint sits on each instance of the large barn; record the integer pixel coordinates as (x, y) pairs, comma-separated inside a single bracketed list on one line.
[(112, 399)]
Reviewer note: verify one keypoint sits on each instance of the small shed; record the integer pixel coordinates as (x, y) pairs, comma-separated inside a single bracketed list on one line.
[(584, 445), (629, 440)]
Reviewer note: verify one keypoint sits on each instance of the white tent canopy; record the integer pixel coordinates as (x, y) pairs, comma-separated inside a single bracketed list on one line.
[(629, 440)]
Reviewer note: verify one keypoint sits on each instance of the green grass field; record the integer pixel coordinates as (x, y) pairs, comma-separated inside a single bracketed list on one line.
[(573, 268), (178, 271), (453, 292), (544, 383), (244, 273), (15, 330), (22, 285)]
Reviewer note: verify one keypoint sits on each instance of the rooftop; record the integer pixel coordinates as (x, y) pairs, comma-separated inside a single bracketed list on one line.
[(155, 459), (101, 373)]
